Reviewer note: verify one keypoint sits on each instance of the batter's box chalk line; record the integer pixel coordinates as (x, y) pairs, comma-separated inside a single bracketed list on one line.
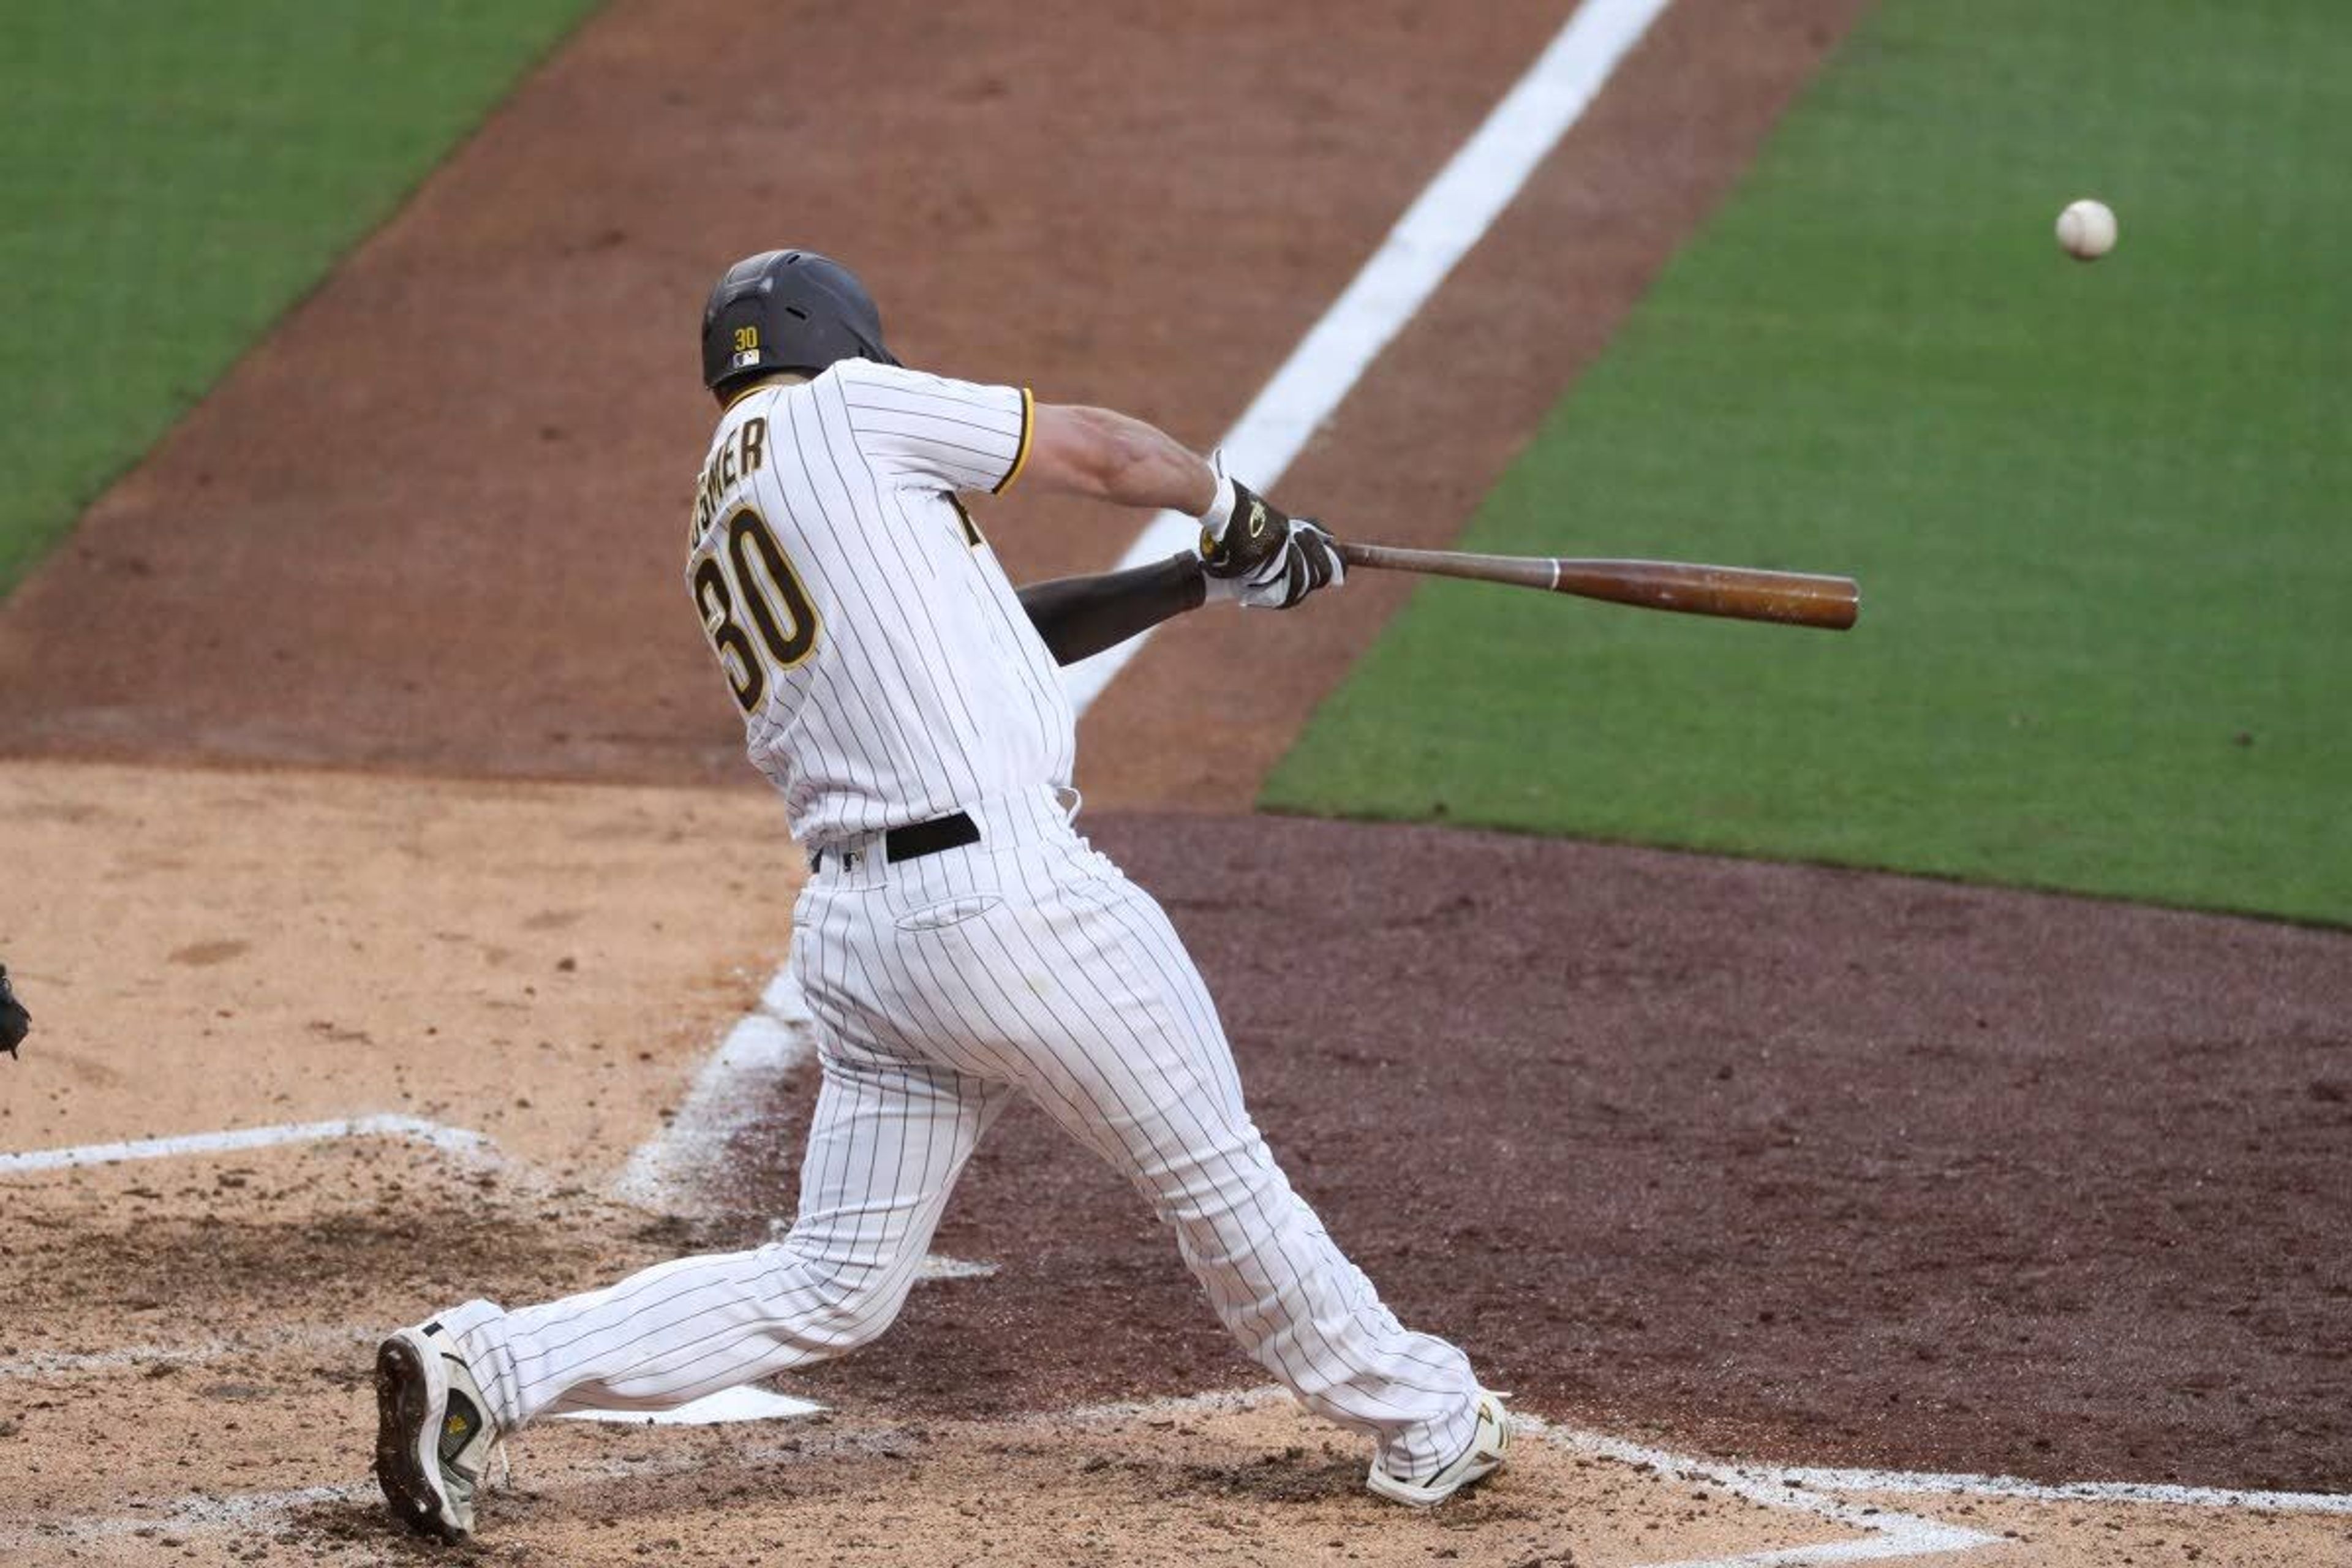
[(1888, 1533), (1798, 1490), (269, 1339), (1881, 1534), (212, 1510), (466, 1146), (1884, 1533)]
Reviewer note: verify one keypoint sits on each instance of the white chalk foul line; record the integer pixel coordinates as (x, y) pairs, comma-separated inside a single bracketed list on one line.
[(199, 1352), (1881, 1533), (212, 1510), (1904, 1483), (1885, 1533), (195, 1511), (456, 1141), (1448, 217), (1896, 1534), (1452, 213)]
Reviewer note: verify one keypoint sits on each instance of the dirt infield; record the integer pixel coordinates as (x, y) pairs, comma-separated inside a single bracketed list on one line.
[(1788, 1163), (1794, 1162), (1802, 1165), (215, 950)]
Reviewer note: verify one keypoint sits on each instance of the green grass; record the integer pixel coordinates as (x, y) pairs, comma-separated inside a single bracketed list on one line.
[(176, 175), (2101, 514)]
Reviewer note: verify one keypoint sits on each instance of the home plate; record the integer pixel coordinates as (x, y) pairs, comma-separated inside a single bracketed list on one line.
[(745, 1403)]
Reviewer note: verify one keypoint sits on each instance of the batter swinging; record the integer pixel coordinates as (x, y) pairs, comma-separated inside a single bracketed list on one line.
[(959, 944)]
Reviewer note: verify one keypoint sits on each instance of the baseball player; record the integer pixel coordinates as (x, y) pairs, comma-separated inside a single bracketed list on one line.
[(960, 944)]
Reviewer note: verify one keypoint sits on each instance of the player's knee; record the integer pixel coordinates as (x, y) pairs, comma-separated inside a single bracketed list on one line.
[(860, 1319), (837, 1304), (1207, 1184)]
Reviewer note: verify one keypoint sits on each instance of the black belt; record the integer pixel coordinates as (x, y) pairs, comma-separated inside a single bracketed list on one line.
[(916, 840)]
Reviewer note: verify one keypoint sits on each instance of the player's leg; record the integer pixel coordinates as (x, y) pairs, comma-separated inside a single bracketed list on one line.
[(888, 1140), (891, 1132), (887, 1145), (1079, 989)]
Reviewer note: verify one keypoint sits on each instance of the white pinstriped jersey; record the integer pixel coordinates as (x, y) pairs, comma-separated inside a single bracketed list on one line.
[(884, 668), (887, 674)]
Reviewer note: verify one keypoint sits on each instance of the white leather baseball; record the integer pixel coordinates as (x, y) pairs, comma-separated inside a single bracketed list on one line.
[(2087, 229)]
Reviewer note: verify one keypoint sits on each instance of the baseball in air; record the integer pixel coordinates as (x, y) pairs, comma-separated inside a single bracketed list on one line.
[(2087, 229)]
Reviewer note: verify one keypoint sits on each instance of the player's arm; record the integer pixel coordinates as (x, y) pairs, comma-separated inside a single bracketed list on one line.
[(1250, 551), (1080, 616), (945, 435), (1106, 455)]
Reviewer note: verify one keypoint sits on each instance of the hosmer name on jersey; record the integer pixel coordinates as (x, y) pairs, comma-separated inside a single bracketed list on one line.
[(737, 459), (886, 670)]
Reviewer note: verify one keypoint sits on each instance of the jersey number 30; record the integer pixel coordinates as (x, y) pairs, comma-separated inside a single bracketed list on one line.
[(756, 577)]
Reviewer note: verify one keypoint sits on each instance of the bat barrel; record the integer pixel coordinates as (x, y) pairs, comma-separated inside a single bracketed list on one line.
[(1743, 593)]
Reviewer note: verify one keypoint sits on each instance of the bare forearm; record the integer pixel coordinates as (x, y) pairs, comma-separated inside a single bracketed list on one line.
[(1249, 549), (1109, 456)]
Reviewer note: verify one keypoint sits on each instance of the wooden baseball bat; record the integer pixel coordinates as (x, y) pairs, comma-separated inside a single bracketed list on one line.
[(1741, 592)]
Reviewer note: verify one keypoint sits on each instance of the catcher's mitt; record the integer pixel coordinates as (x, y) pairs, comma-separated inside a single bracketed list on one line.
[(14, 1022)]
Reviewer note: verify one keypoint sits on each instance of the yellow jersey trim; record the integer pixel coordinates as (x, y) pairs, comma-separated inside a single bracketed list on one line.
[(1019, 457)]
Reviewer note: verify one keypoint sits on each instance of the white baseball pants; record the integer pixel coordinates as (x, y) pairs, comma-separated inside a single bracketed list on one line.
[(1026, 963)]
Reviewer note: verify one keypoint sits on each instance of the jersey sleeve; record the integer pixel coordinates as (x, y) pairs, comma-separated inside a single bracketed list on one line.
[(943, 434)]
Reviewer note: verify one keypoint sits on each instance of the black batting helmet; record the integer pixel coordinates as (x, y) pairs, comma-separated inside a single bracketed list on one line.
[(787, 309)]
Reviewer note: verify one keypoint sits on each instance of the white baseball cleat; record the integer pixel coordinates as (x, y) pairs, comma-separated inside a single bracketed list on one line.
[(1490, 1442), (433, 1434)]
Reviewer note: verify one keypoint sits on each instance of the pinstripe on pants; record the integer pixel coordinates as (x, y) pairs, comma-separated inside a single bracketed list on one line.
[(942, 986)]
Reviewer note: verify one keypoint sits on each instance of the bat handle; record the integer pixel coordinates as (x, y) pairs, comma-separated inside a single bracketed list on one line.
[(1519, 570)]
